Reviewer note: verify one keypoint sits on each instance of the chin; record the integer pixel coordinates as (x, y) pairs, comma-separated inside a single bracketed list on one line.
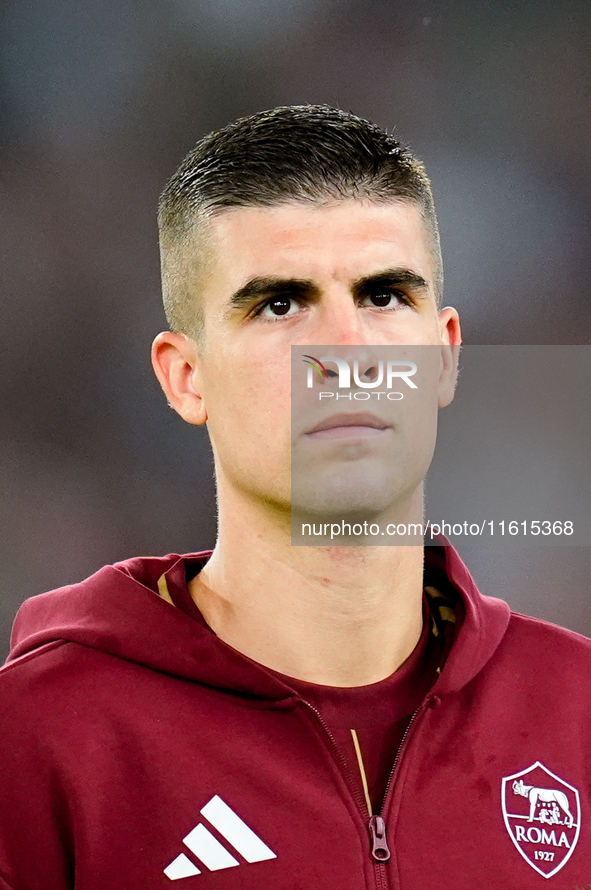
[(351, 497)]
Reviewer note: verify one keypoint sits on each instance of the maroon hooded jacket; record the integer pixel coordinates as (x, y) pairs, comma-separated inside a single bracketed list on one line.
[(138, 750)]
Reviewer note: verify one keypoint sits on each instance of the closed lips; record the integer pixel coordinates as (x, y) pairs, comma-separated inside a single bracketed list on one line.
[(338, 421)]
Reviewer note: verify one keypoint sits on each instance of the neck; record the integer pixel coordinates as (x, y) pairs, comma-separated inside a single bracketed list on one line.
[(337, 616)]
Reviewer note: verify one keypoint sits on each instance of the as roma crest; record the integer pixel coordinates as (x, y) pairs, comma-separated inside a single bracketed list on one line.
[(542, 814)]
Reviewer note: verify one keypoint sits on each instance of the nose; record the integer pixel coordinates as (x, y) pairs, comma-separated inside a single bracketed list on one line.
[(339, 322), (340, 328)]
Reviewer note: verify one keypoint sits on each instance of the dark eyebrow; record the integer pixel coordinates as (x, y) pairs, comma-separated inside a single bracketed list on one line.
[(389, 278), (270, 287)]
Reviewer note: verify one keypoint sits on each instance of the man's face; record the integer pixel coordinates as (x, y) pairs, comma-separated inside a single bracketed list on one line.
[(348, 273)]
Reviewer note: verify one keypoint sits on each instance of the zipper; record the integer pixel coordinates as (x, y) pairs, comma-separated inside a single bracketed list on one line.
[(401, 747), (379, 849), (342, 761), (379, 841), (376, 825), (382, 851)]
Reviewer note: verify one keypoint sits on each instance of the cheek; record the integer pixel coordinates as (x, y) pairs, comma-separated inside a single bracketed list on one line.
[(249, 405), (246, 391)]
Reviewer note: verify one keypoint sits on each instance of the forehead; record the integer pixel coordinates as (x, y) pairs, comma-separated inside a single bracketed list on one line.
[(341, 242)]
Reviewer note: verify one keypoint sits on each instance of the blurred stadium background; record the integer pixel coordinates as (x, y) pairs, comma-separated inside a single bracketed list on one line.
[(100, 100)]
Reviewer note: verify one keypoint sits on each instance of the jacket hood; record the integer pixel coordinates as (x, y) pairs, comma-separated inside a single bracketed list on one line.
[(119, 612)]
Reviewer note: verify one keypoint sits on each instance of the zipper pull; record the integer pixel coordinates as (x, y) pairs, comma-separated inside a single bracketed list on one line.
[(379, 844)]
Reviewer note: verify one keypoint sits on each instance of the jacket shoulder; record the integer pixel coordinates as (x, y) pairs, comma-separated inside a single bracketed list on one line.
[(526, 627), (545, 650)]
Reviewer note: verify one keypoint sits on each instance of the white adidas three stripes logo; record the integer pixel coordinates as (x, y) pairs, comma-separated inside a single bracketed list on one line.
[(208, 849)]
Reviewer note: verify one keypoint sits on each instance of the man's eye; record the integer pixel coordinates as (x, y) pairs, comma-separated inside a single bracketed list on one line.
[(278, 307), (386, 299), (381, 299)]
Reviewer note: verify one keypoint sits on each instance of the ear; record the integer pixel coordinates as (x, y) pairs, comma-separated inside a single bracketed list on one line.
[(451, 337), (176, 365)]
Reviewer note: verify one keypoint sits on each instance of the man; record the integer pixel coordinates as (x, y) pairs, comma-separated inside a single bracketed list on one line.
[(282, 716)]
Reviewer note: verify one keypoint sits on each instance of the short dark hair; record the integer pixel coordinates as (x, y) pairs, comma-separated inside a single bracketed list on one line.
[(304, 153)]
